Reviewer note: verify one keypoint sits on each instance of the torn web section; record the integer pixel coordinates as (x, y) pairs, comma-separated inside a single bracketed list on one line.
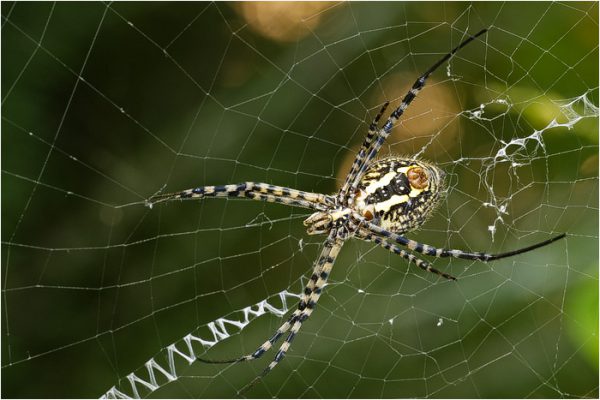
[(522, 165)]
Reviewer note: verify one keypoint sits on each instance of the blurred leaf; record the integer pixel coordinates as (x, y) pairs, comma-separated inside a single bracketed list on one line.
[(581, 309)]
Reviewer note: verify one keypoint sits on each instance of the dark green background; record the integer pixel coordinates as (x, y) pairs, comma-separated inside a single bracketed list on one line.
[(104, 105)]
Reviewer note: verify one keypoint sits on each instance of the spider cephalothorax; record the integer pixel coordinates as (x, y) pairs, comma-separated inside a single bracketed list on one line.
[(378, 202)]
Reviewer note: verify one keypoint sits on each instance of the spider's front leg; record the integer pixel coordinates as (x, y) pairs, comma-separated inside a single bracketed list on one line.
[(310, 297), (254, 191), (312, 292)]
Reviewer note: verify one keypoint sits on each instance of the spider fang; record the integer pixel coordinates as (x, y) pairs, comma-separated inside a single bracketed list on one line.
[(319, 222)]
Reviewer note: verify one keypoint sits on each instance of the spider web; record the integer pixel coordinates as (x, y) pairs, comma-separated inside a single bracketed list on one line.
[(104, 105)]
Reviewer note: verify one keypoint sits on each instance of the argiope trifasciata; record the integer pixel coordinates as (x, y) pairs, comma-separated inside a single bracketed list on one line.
[(379, 202)]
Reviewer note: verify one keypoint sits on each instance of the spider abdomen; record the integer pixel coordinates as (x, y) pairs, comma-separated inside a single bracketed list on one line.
[(399, 194)]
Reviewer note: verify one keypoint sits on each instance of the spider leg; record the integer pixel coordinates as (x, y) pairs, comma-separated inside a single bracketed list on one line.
[(424, 265), (385, 131), (266, 346), (312, 293), (362, 153), (254, 191), (440, 252)]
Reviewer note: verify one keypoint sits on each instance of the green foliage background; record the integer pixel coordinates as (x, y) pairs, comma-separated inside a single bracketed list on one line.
[(105, 104)]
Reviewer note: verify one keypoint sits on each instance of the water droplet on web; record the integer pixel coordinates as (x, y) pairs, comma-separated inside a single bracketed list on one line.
[(440, 322)]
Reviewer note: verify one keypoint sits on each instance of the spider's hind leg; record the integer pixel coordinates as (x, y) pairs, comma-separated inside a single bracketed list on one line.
[(424, 265), (362, 154), (442, 253), (384, 132)]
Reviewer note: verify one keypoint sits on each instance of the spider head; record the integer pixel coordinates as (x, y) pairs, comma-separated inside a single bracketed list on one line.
[(399, 193), (319, 222), (323, 222)]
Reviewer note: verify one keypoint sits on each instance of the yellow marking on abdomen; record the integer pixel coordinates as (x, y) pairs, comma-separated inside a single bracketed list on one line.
[(382, 182), (386, 205)]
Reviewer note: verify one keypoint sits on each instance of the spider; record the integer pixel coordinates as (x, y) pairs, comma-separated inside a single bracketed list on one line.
[(379, 202)]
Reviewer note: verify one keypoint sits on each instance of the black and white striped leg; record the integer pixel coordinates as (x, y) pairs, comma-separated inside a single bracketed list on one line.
[(362, 153), (424, 265), (385, 131), (266, 346), (440, 252), (308, 291), (312, 293), (254, 191)]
